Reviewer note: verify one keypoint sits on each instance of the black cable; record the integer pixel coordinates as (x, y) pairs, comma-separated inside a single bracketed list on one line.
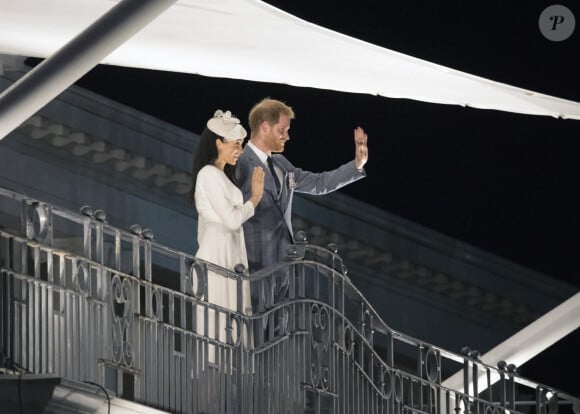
[(105, 391), (19, 392), (14, 366)]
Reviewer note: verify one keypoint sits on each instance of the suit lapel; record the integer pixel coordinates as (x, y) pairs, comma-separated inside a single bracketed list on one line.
[(285, 194), (255, 161), (269, 186)]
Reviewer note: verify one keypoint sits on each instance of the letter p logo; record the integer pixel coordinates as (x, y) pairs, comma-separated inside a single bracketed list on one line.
[(557, 23), (556, 20)]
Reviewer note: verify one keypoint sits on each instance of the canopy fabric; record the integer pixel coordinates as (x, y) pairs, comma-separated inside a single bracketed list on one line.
[(251, 40)]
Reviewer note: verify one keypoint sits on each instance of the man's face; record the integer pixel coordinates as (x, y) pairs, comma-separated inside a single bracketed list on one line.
[(277, 134)]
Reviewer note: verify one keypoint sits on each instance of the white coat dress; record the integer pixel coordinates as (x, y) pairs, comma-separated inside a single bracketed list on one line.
[(220, 235)]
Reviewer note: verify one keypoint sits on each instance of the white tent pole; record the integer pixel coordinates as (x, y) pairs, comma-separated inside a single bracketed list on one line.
[(77, 57), (527, 343)]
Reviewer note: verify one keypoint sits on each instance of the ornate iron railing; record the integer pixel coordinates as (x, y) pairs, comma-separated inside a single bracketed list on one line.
[(89, 302)]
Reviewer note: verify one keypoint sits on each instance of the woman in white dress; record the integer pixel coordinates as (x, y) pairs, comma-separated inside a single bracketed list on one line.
[(221, 208)]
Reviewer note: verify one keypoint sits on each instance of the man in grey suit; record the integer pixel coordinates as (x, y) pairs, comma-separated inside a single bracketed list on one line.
[(269, 232)]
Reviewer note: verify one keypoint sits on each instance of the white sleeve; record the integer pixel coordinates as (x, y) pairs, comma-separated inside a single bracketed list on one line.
[(213, 198)]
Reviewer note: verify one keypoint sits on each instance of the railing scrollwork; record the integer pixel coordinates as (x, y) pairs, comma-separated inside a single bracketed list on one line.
[(119, 309), (320, 334), (198, 278), (37, 221), (154, 303), (387, 383), (122, 303), (82, 278), (431, 365)]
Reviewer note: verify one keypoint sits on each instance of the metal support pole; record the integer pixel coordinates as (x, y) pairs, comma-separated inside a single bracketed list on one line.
[(56, 73)]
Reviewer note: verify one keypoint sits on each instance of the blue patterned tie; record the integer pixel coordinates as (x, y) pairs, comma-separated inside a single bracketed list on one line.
[(273, 171)]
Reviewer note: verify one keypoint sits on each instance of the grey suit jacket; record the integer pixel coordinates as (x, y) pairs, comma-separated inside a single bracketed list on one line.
[(269, 232)]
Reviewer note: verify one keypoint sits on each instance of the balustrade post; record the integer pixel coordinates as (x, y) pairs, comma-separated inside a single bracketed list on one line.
[(136, 257), (465, 352), (241, 275), (554, 407), (147, 260), (502, 382), (24, 232), (99, 236), (540, 406), (184, 274), (475, 355), (420, 367), (87, 238), (23, 250), (489, 384), (147, 236), (511, 387), (136, 250)]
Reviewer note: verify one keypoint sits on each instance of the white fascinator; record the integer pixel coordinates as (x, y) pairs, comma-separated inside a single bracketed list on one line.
[(227, 126)]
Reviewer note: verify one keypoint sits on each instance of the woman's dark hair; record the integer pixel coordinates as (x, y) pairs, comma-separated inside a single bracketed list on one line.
[(206, 154)]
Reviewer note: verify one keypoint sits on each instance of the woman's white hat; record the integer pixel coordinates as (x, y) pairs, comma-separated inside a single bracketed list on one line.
[(227, 126)]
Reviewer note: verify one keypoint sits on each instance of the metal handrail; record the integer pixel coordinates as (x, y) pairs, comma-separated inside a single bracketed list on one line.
[(314, 350)]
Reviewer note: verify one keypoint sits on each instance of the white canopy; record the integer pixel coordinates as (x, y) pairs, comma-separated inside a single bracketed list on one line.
[(248, 39)]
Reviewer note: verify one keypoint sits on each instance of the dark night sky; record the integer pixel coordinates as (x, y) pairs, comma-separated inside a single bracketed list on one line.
[(506, 183)]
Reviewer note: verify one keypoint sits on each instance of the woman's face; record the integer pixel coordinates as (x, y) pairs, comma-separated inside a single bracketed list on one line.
[(229, 151)]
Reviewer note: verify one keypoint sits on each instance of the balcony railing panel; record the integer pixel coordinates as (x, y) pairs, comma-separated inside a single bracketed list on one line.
[(90, 302)]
